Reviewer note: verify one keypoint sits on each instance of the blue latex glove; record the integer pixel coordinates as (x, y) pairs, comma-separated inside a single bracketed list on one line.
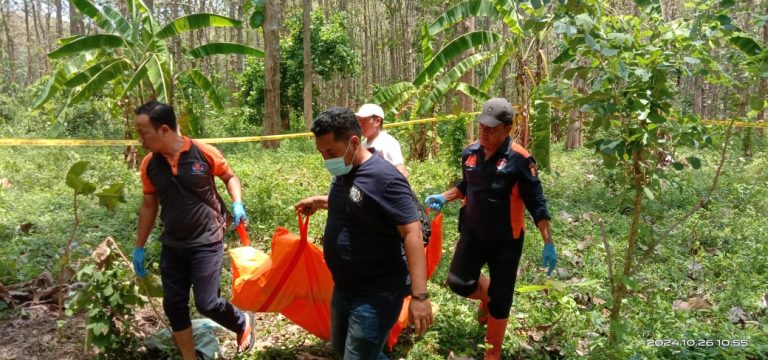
[(238, 210), (138, 262), (549, 257), (435, 202)]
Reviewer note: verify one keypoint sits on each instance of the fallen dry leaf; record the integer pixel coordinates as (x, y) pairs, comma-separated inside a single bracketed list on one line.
[(693, 304), (585, 243)]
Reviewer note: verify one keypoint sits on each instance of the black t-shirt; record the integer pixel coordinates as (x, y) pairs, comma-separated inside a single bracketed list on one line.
[(362, 246)]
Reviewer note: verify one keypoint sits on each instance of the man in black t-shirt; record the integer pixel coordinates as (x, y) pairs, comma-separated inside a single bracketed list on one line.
[(372, 242)]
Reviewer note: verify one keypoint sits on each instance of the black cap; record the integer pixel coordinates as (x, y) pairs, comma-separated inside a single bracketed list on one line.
[(495, 112)]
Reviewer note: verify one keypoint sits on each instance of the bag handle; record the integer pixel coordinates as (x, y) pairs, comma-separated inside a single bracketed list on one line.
[(303, 226), (243, 234)]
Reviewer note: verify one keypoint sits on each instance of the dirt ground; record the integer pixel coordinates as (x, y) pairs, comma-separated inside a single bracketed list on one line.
[(29, 333)]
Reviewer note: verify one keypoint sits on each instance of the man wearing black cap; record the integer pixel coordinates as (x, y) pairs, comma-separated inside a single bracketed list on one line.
[(499, 178)]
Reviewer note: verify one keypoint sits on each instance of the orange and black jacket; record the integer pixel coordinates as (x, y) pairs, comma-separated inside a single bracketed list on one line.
[(190, 208), (497, 190)]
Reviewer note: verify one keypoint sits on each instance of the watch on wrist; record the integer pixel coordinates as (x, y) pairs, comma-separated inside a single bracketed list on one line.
[(420, 296)]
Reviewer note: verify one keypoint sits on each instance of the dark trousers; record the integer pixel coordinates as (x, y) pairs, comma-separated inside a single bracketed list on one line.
[(360, 323), (199, 268), (502, 257)]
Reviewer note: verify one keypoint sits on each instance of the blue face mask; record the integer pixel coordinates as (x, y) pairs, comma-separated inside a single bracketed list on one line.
[(337, 166)]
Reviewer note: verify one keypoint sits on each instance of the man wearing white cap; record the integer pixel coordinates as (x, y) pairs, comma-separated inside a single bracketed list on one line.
[(371, 118)]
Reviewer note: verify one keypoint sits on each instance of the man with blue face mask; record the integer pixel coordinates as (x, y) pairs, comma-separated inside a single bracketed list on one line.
[(372, 242)]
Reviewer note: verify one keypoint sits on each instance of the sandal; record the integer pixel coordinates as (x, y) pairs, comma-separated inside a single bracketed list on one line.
[(249, 330)]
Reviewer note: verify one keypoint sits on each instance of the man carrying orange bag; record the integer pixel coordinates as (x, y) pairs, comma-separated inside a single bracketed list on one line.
[(372, 242)]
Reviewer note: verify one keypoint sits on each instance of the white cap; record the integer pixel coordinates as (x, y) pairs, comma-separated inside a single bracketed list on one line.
[(370, 109)]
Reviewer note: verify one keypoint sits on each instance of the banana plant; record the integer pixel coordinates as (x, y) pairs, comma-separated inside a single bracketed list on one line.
[(129, 58), (525, 20)]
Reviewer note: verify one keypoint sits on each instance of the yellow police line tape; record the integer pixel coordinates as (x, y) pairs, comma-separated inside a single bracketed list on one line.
[(87, 142), (761, 124)]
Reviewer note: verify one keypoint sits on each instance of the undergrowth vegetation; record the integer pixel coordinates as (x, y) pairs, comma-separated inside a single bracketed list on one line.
[(718, 255)]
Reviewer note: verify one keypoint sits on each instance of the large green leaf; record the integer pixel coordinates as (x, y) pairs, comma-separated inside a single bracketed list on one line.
[(109, 73), (160, 78), (252, 4), (388, 94), (756, 102), (67, 39), (138, 75), (89, 9), (454, 49), (460, 12), (541, 133), (498, 65), (426, 45), (207, 87), (144, 16), (448, 81), (86, 43), (84, 76), (122, 25), (111, 196), (221, 48), (74, 65), (195, 21), (508, 10), (256, 19), (76, 182), (472, 91), (747, 45), (51, 88)]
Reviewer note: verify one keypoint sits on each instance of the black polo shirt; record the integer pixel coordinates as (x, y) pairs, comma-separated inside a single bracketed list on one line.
[(497, 190), (362, 245), (191, 210)]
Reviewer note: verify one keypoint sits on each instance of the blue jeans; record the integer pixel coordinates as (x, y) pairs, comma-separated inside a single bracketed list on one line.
[(360, 323)]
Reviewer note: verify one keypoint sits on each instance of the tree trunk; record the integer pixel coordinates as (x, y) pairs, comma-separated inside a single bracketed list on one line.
[(29, 76), (307, 64), (764, 80), (59, 22), (467, 102), (573, 135), (271, 71), (407, 72), (74, 20), (176, 40), (620, 288), (505, 68), (697, 96), (345, 80), (9, 44)]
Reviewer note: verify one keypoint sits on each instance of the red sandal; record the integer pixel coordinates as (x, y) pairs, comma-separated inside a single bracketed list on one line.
[(249, 330)]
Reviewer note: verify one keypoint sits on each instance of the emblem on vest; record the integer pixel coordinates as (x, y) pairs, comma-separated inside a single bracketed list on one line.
[(355, 195), (501, 164), (199, 168), (471, 161)]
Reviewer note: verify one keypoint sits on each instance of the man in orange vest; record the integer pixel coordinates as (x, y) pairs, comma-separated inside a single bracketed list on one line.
[(499, 179), (179, 177)]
